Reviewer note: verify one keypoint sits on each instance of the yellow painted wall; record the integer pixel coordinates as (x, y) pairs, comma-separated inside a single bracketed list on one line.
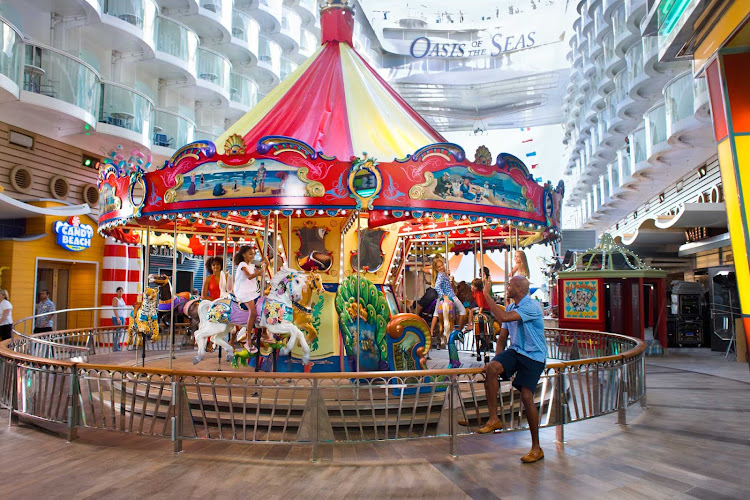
[(21, 258)]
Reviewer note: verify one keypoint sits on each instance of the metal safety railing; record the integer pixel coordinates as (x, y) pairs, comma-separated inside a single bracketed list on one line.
[(599, 373)]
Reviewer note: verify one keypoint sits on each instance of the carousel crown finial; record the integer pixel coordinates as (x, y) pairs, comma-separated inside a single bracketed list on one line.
[(336, 21)]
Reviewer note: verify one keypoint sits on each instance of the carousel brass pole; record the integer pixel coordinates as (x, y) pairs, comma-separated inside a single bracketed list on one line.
[(403, 260), (416, 275), (475, 253), (481, 256), (172, 298), (507, 257), (226, 266), (289, 241), (275, 243), (447, 269), (146, 264), (359, 266), (262, 284)]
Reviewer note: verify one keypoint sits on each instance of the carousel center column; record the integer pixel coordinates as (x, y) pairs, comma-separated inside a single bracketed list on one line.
[(729, 91)]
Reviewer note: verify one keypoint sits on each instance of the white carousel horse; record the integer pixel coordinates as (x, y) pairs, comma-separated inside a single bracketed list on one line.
[(274, 313)]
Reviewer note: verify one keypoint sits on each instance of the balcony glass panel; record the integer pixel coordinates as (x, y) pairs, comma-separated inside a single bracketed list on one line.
[(634, 59), (291, 23), (126, 108), (212, 5), (619, 28), (308, 43), (204, 135), (678, 97), (622, 85), (311, 5), (176, 40), (11, 52), (172, 130), (637, 147), (287, 67), (599, 23), (656, 126), (650, 47), (214, 68), (139, 13), (623, 163), (700, 93), (614, 176), (273, 7), (247, 29), (244, 90), (608, 43), (61, 76), (269, 54)]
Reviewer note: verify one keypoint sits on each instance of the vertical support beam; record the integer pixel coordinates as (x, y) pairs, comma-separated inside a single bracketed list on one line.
[(641, 311), (359, 266), (275, 242), (481, 256), (404, 256), (13, 416), (289, 241), (173, 297)]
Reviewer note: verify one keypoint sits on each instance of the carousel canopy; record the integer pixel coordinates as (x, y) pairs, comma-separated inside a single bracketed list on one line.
[(337, 104)]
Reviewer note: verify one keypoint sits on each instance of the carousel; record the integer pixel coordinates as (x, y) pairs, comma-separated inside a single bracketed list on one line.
[(341, 190)]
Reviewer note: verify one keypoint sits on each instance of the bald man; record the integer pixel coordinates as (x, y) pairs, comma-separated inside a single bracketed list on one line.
[(525, 358)]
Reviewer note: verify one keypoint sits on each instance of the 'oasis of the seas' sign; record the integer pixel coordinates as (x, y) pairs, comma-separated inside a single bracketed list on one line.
[(498, 44), (72, 235)]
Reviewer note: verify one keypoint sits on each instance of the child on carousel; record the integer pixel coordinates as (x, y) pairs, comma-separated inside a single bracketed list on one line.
[(442, 284), (246, 289)]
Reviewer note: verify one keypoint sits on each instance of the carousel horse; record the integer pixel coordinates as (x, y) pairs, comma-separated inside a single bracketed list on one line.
[(275, 313), (167, 299), (144, 319)]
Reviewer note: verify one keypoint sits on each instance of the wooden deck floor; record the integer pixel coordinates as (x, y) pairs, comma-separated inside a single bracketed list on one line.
[(692, 442)]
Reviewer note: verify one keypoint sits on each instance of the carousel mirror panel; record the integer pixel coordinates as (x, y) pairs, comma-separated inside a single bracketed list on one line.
[(370, 251), (313, 254)]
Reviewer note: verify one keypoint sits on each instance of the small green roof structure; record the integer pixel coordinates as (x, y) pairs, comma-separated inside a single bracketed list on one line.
[(610, 260)]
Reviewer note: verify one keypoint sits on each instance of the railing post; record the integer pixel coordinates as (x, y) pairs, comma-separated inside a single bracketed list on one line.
[(451, 423), (73, 408), (597, 391), (177, 415), (13, 417), (622, 406), (642, 378), (316, 430), (560, 408)]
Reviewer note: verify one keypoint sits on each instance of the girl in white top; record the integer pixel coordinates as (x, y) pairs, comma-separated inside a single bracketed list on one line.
[(246, 288), (6, 319)]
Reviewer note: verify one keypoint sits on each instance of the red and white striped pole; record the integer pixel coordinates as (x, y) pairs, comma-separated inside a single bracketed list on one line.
[(122, 268)]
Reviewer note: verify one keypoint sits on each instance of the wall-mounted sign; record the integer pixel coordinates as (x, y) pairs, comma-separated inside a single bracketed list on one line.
[(72, 235), (492, 46), (581, 299)]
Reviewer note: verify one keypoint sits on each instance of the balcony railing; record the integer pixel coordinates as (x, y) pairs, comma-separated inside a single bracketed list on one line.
[(273, 7), (650, 47), (619, 25), (140, 13), (205, 135), (656, 127), (308, 43), (214, 68), (124, 107), (634, 59), (638, 148), (614, 175), (291, 24), (287, 67), (622, 85), (244, 90), (11, 51), (177, 40), (678, 96), (54, 73), (247, 29), (700, 93), (609, 49), (269, 55), (172, 130), (623, 163)]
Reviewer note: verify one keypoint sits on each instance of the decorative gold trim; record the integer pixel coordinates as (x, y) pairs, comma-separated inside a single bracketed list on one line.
[(289, 150), (314, 189), (250, 162), (416, 192), (369, 165), (171, 195)]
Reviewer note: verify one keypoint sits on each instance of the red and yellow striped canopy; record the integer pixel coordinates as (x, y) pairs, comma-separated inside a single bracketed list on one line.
[(336, 103)]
